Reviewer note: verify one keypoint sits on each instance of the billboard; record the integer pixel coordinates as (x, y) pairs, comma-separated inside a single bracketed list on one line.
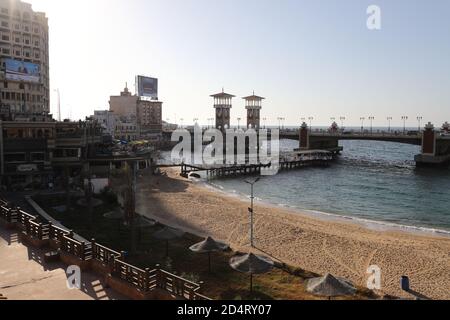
[(147, 87), (21, 71)]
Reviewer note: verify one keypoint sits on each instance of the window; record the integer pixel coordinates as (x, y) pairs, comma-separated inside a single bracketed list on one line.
[(5, 37), (37, 156), (5, 11), (5, 24), (15, 157)]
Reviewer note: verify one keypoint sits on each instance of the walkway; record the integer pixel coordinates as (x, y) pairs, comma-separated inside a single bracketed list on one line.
[(24, 275)]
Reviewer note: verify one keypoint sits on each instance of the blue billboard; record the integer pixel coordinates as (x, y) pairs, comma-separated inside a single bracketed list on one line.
[(16, 70), (147, 87)]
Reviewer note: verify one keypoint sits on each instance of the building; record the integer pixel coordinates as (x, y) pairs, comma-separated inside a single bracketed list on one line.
[(107, 120), (149, 119), (136, 117), (123, 105), (35, 153), (24, 60), (126, 129)]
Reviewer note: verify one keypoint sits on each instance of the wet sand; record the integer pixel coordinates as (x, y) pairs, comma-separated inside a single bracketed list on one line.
[(319, 245)]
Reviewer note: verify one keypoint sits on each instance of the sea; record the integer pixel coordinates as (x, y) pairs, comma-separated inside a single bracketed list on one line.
[(372, 182)]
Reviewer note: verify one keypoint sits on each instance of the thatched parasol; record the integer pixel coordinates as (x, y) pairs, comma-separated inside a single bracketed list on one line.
[(330, 286), (208, 246), (168, 234), (251, 264)]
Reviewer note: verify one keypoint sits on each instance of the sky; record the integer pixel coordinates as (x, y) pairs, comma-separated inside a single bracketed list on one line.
[(307, 58)]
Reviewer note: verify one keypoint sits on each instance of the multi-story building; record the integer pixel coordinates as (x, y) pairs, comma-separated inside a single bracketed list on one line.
[(123, 105), (149, 119), (24, 61), (107, 120), (34, 153), (135, 117), (126, 129)]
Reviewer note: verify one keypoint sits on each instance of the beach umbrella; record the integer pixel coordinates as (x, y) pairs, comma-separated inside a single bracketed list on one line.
[(168, 234), (330, 286), (208, 246), (251, 264)]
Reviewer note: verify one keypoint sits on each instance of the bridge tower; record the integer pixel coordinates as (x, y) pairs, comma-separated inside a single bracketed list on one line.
[(223, 105), (429, 140), (304, 137), (253, 104)]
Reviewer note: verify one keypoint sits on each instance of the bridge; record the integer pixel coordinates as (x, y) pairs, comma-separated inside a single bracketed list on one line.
[(435, 148)]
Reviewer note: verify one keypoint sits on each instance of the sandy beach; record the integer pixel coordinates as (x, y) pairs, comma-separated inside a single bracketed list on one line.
[(344, 249)]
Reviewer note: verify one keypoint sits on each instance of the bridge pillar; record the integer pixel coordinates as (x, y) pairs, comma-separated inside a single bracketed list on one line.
[(429, 140), (304, 137), (446, 127), (432, 153)]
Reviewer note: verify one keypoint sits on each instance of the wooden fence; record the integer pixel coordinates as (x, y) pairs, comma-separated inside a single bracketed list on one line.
[(145, 280)]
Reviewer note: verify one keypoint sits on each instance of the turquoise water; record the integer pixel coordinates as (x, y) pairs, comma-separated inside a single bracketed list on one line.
[(372, 180)]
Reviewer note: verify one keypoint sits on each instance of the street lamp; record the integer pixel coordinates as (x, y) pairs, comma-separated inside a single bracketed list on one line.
[(342, 122), (389, 119), (371, 118), (265, 120), (250, 210), (404, 118), (181, 122), (310, 123), (419, 119), (239, 123), (362, 124)]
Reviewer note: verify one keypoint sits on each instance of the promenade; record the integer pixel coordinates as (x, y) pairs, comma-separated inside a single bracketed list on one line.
[(25, 276)]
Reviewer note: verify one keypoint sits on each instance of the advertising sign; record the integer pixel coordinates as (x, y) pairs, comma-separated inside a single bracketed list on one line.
[(21, 71), (147, 87)]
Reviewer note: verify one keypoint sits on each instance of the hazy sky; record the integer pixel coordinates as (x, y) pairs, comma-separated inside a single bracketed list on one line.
[(308, 58)]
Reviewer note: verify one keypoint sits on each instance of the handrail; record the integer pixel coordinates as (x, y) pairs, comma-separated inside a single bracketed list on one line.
[(145, 280), (103, 254)]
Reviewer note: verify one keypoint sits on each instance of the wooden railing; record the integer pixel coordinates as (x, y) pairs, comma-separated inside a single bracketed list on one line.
[(145, 280), (37, 230), (131, 274), (8, 214), (103, 254)]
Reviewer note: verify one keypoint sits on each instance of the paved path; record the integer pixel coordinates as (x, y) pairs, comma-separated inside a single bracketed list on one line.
[(24, 275)]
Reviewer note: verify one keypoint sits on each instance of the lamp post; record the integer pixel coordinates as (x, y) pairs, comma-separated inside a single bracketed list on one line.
[(250, 210), (404, 118), (265, 120), (419, 119), (389, 119), (371, 118), (342, 122), (279, 123), (310, 123), (239, 123), (181, 123), (362, 124)]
